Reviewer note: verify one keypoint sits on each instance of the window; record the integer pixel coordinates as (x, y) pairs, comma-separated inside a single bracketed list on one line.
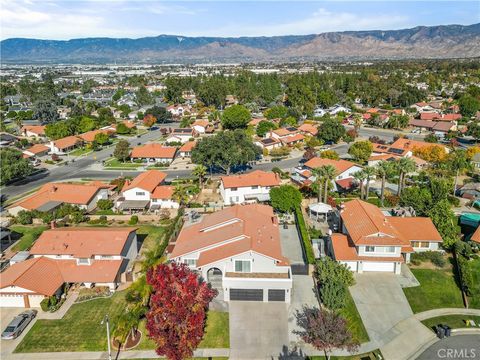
[(369, 248), (83, 261), (390, 249), (140, 193), (233, 189), (243, 266), (254, 187), (190, 262), (420, 244)]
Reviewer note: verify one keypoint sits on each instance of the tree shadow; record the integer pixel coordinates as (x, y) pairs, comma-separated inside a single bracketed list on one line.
[(290, 354)]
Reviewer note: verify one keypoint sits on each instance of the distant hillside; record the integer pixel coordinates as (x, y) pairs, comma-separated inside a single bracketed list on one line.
[(449, 41)]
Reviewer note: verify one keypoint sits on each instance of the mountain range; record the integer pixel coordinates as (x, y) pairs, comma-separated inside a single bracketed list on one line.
[(422, 42)]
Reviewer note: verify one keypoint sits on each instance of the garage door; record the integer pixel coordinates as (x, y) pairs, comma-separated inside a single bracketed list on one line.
[(12, 301), (276, 295), (379, 266), (246, 294)]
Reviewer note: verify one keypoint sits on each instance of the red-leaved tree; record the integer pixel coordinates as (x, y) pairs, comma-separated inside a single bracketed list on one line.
[(178, 306), (325, 330)]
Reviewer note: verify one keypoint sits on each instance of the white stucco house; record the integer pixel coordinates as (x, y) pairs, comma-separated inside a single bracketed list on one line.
[(344, 179), (371, 241), (84, 255), (251, 187), (154, 153), (181, 135), (238, 250)]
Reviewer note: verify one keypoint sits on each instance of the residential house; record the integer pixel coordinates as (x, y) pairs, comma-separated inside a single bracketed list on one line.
[(154, 153), (269, 143), (83, 255), (476, 236), (181, 135), (64, 145), (372, 241), (147, 191), (7, 139), (178, 110), (89, 136), (344, 179), (403, 147), (186, 149), (37, 150), (287, 136), (308, 129), (33, 131), (254, 186), (238, 250), (476, 162), (438, 128), (470, 191), (52, 195), (202, 126)]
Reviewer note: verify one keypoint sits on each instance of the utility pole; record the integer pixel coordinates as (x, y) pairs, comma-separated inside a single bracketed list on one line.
[(105, 320)]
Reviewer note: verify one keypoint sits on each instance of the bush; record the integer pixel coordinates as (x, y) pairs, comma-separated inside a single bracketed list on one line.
[(133, 220), (45, 304), (435, 257), (24, 217), (454, 201), (305, 236), (105, 204)]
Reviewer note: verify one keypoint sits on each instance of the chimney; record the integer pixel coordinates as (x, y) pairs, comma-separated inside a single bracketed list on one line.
[(52, 224)]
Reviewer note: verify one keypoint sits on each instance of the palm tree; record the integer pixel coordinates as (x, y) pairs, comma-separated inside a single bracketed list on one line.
[(369, 172), (329, 173), (458, 163), (404, 166), (180, 195), (357, 122), (383, 169), (200, 172), (318, 173), (360, 176)]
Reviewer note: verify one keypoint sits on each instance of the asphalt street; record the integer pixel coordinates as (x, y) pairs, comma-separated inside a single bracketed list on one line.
[(454, 347), (81, 167)]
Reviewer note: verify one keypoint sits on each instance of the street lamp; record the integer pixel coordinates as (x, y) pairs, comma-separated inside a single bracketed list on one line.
[(105, 320)]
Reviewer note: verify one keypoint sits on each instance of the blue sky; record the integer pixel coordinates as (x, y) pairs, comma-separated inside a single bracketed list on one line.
[(67, 19)]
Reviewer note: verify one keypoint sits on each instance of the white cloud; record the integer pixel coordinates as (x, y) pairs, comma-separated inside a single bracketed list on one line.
[(320, 21)]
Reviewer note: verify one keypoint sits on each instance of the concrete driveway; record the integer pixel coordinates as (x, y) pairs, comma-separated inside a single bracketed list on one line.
[(257, 330), (381, 303), (7, 315)]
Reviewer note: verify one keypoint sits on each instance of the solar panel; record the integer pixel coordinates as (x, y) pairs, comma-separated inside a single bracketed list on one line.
[(395, 151), (268, 141)]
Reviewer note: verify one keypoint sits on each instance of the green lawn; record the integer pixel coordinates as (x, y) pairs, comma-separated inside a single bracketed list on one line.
[(437, 289), (474, 301), (80, 151), (114, 163), (80, 329), (152, 235), (28, 235), (454, 321), (354, 320)]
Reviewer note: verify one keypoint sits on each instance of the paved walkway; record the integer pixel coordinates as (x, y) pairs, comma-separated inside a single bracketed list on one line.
[(446, 311), (60, 313)]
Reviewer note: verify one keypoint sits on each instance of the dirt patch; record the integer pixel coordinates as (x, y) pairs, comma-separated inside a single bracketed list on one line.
[(133, 339)]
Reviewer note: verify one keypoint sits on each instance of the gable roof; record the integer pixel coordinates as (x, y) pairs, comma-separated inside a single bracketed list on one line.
[(77, 194), (231, 231), (82, 242), (408, 144), (188, 146), (147, 180), (308, 128), (37, 148), (476, 235), (254, 178), (340, 165), (153, 150), (89, 136), (164, 192), (36, 129), (67, 142)]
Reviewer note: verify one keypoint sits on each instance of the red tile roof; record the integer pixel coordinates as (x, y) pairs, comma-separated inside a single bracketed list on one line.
[(476, 235), (89, 136), (293, 138), (253, 226), (408, 144), (340, 165), (416, 228), (153, 150), (164, 192), (62, 192), (82, 242), (67, 142), (147, 180), (36, 129), (308, 128), (254, 178), (37, 149), (188, 146)]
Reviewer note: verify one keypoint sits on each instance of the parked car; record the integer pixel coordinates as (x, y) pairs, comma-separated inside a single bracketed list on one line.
[(18, 324)]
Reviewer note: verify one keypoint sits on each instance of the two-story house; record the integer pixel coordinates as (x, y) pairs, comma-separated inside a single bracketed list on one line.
[(147, 191), (372, 241), (343, 180), (83, 255), (254, 186), (238, 250)]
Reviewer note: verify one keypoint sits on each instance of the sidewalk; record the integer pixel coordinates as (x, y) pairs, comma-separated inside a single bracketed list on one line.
[(446, 311)]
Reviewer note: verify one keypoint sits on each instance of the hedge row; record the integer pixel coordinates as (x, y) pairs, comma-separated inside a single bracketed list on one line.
[(308, 248)]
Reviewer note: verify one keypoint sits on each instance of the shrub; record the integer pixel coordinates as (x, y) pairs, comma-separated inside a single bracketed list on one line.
[(435, 257), (305, 236), (24, 217), (454, 201), (105, 204), (333, 295), (133, 220), (44, 304)]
